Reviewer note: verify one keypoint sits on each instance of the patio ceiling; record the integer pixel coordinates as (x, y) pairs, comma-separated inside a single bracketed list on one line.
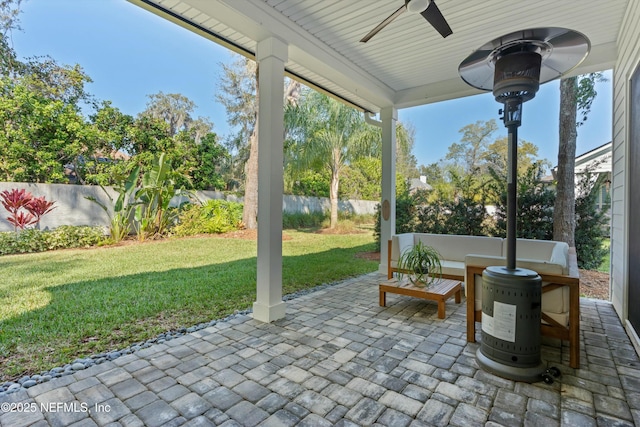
[(408, 63)]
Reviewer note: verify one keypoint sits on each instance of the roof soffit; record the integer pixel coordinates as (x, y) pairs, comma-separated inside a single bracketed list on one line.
[(406, 64)]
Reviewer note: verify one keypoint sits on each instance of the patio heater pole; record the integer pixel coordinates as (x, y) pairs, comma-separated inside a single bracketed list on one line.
[(512, 119)]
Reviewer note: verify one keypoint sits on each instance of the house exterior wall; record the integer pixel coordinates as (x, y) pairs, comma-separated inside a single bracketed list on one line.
[(628, 61)]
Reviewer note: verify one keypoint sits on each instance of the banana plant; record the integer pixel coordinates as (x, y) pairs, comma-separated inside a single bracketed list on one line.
[(119, 221), (152, 214)]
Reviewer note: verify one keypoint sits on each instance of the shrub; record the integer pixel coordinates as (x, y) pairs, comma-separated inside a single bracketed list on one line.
[(347, 221), (361, 179), (415, 214), (591, 223), (405, 214), (63, 237), (214, 216), (535, 205), (463, 216), (28, 240), (431, 218), (356, 219), (311, 183), (68, 236), (298, 220)]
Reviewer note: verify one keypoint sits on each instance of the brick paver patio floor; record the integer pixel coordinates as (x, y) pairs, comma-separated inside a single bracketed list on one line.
[(340, 359)]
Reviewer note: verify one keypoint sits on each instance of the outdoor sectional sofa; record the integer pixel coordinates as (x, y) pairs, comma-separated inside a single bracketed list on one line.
[(465, 257)]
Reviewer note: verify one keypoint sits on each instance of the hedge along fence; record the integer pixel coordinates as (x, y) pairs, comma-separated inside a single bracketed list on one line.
[(72, 207)]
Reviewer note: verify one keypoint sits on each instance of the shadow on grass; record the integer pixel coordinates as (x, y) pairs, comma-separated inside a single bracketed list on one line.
[(87, 317)]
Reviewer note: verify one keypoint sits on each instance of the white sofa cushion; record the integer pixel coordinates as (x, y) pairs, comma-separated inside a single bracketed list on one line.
[(562, 318), (533, 249), (399, 244), (555, 253), (454, 247), (452, 268), (560, 256), (556, 302), (540, 267)]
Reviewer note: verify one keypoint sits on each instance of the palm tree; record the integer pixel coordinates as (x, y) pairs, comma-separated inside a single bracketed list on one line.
[(325, 133)]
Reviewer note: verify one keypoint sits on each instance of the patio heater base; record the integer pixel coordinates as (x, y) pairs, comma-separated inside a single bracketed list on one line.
[(528, 375), (510, 346)]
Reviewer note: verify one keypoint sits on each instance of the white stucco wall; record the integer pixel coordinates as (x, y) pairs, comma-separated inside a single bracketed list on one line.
[(72, 208), (629, 60)]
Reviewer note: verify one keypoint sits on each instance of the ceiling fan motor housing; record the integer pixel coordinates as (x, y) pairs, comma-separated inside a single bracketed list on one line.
[(517, 75), (416, 6)]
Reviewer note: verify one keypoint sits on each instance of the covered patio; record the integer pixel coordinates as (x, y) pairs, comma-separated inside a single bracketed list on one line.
[(338, 358), (407, 64)]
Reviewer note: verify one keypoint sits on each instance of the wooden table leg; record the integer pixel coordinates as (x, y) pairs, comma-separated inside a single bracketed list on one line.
[(383, 298), (441, 308), (458, 296)]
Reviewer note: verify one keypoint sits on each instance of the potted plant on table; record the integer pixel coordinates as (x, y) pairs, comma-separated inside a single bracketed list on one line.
[(421, 264)]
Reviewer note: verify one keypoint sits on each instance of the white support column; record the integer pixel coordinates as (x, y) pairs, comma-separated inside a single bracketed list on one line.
[(271, 55), (389, 116)]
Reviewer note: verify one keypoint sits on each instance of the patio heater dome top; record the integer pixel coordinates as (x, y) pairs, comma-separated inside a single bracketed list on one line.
[(557, 51)]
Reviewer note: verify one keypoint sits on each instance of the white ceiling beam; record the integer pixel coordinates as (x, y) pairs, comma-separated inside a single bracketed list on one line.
[(434, 92), (258, 21)]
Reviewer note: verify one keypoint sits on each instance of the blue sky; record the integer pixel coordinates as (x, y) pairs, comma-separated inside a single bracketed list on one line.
[(130, 53)]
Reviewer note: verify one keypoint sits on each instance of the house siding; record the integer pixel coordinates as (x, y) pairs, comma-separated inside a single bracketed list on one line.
[(629, 59)]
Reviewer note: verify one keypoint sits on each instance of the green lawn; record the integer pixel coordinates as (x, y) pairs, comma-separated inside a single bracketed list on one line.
[(57, 306)]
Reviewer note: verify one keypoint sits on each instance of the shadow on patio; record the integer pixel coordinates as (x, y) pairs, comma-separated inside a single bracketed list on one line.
[(338, 358)]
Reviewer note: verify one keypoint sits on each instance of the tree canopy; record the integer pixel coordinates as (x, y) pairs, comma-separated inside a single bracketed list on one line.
[(326, 134), (474, 161), (40, 134)]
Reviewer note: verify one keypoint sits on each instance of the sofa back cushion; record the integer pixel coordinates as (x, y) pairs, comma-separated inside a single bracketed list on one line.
[(560, 256), (399, 244), (541, 250), (454, 247)]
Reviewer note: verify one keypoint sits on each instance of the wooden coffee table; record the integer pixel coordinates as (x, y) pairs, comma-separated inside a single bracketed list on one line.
[(440, 290)]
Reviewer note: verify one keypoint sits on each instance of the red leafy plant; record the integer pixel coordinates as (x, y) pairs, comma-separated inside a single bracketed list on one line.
[(21, 220), (38, 207), (16, 200)]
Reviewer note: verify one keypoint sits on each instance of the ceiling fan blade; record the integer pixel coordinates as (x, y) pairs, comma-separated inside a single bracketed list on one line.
[(433, 15), (384, 23)]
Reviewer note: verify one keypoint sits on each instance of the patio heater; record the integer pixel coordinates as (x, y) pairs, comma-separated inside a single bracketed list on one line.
[(513, 66)]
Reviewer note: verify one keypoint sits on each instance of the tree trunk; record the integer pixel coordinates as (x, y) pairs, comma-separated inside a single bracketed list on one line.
[(564, 220), (250, 209), (333, 187), (333, 197), (292, 93)]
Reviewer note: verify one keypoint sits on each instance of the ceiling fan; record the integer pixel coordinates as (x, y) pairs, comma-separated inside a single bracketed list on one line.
[(426, 8)]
